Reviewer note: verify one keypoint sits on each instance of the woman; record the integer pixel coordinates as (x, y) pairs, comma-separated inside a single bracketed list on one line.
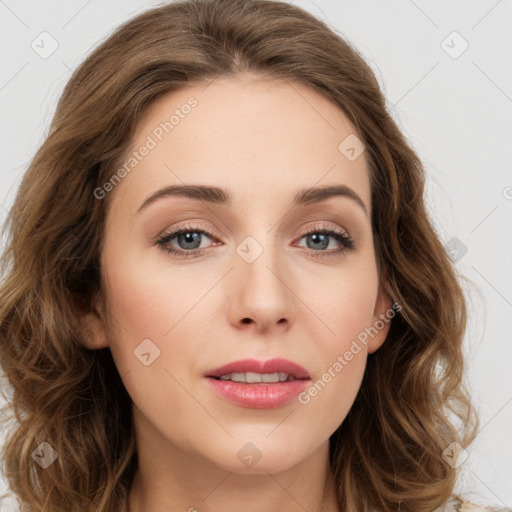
[(251, 368)]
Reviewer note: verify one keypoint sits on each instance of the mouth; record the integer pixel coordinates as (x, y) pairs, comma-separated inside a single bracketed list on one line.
[(257, 384)]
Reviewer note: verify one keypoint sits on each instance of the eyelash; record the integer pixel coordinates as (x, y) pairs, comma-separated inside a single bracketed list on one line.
[(346, 241)]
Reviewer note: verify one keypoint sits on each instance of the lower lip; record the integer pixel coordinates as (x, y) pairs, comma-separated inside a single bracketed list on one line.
[(259, 395)]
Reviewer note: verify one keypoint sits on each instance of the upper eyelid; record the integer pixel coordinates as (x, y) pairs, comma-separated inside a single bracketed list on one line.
[(318, 225)]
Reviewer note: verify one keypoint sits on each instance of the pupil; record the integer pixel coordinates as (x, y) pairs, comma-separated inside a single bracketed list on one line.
[(322, 238), (191, 238)]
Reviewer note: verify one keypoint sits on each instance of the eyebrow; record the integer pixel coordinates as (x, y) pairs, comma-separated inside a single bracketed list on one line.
[(221, 196)]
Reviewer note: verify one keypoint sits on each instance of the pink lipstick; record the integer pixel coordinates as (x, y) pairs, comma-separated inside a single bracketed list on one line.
[(259, 384)]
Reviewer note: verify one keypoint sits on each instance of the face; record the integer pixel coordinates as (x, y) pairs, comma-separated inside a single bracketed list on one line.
[(251, 266)]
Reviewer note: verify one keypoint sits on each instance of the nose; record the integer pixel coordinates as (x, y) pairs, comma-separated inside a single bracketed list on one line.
[(260, 294)]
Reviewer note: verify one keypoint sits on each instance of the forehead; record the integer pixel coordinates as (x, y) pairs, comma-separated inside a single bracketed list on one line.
[(262, 139)]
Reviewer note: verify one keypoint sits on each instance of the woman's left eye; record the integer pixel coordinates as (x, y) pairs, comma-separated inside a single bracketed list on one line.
[(189, 237)]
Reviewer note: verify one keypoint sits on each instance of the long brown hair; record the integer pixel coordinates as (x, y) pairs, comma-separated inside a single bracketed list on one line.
[(387, 454)]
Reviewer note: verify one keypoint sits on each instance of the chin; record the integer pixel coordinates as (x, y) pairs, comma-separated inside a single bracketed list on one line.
[(269, 463), (255, 455)]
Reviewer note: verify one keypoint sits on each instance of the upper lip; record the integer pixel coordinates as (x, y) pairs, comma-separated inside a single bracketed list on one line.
[(256, 366)]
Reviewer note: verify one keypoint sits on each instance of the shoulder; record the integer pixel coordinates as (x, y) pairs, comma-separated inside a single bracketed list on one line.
[(473, 507), (457, 504)]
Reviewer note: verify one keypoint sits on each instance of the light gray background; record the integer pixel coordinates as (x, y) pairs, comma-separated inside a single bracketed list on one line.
[(455, 111)]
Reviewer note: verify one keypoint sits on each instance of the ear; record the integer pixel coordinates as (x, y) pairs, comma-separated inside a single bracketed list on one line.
[(94, 327), (381, 320)]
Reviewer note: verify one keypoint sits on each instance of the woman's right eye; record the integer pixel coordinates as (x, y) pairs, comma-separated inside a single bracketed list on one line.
[(189, 238)]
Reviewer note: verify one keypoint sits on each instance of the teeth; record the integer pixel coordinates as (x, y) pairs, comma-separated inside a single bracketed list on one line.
[(252, 377)]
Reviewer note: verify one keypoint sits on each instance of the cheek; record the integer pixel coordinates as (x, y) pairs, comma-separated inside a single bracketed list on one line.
[(153, 338), (339, 367), (146, 304), (342, 304), (343, 311)]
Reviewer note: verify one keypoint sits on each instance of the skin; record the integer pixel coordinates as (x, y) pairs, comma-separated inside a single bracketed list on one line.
[(262, 140)]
